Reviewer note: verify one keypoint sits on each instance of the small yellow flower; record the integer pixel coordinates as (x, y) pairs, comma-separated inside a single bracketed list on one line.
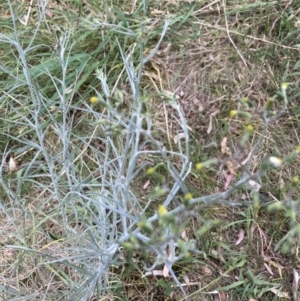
[(232, 113), (276, 162), (162, 210), (249, 128), (245, 100), (150, 171), (284, 86), (188, 197), (256, 205), (295, 180), (94, 99), (298, 149), (199, 166)]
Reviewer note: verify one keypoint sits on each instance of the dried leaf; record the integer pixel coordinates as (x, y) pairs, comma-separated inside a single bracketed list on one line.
[(215, 113), (214, 253), (229, 177), (225, 150), (145, 186), (254, 185), (295, 285), (220, 254), (269, 269), (252, 229), (210, 120), (186, 279), (281, 183), (12, 166), (279, 293), (206, 270), (222, 296), (224, 145), (240, 237), (295, 278), (209, 125), (157, 12), (184, 236), (52, 108), (230, 167), (277, 266), (153, 273), (166, 269), (197, 103), (178, 137), (49, 13)]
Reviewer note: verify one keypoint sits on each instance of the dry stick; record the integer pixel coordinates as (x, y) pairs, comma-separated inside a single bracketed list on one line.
[(295, 285), (28, 14), (229, 37)]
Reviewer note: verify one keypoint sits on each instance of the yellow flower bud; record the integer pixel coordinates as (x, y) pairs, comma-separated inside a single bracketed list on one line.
[(232, 113), (249, 128), (188, 197), (162, 210), (94, 99), (295, 181), (150, 171), (199, 166), (210, 162)]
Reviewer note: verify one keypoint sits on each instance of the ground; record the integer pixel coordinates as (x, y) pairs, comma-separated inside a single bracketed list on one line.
[(129, 133)]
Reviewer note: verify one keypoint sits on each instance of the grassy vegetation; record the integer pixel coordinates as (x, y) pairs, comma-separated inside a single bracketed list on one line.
[(149, 150)]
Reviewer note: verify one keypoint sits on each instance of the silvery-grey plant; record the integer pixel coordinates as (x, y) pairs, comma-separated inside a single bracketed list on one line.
[(100, 212)]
